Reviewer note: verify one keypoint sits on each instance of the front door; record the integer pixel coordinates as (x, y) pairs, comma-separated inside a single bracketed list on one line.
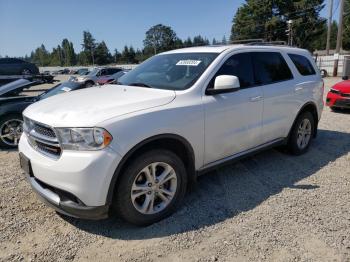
[(233, 121)]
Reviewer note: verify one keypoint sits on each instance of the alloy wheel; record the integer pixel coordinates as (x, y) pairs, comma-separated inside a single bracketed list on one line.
[(304, 133), (154, 188), (11, 131)]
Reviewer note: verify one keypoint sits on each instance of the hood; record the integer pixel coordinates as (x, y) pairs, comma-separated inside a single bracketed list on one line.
[(88, 107), (343, 87), (15, 87)]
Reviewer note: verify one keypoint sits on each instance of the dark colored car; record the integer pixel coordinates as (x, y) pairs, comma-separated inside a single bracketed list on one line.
[(103, 80), (12, 104), (14, 66)]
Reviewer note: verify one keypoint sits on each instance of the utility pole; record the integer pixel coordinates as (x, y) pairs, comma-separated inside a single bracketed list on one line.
[(290, 32), (330, 18), (339, 38)]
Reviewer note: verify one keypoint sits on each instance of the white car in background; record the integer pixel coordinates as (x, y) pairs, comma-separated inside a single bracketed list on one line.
[(137, 146)]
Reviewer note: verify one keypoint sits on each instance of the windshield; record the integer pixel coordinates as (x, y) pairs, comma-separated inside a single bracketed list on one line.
[(176, 71), (93, 72), (61, 88)]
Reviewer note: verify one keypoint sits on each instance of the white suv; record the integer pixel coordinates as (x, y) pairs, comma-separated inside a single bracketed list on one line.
[(137, 146)]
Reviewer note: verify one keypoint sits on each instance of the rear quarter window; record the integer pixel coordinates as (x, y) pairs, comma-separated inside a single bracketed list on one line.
[(303, 64)]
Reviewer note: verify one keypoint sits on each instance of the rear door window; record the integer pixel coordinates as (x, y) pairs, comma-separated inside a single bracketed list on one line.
[(303, 64), (270, 67)]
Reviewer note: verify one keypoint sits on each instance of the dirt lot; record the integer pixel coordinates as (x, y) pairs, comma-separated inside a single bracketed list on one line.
[(270, 207)]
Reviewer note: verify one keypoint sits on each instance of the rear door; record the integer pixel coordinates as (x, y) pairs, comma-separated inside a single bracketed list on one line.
[(274, 75), (233, 120)]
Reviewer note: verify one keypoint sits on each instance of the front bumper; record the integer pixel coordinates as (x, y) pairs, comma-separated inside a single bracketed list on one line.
[(77, 183), (67, 207), (336, 100)]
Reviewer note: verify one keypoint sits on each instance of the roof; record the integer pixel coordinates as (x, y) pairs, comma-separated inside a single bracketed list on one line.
[(222, 48)]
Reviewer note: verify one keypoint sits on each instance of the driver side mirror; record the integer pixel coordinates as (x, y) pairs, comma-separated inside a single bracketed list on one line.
[(224, 84)]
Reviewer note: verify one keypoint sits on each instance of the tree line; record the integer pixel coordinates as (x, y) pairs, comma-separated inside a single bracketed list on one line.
[(255, 19), (159, 38)]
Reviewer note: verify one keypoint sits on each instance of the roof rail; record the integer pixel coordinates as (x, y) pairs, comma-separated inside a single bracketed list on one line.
[(247, 41), (268, 43)]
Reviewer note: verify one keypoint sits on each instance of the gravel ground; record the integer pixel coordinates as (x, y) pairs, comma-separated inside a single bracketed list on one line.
[(269, 207)]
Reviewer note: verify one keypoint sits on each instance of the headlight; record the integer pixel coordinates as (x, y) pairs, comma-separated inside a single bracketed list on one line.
[(84, 138), (335, 91)]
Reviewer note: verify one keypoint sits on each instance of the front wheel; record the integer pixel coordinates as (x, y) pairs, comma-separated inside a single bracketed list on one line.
[(302, 133), (151, 188), (89, 84)]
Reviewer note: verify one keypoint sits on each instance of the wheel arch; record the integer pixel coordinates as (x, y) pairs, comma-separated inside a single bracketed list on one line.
[(307, 107), (172, 142)]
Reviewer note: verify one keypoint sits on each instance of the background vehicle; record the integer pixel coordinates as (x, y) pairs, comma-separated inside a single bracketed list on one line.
[(339, 96), (13, 101), (92, 77), (113, 78), (137, 146), (14, 66)]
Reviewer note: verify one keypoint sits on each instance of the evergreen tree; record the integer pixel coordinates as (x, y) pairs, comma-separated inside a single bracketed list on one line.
[(116, 56), (346, 30), (188, 42), (89, 46), (102, 54), (268, 20)]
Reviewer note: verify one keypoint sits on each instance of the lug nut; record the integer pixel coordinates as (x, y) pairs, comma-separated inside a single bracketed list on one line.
[(149, 192), (149, 184), (157, 181)]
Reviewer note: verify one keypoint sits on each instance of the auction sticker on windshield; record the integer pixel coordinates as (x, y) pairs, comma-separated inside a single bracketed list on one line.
[(66, 89), (188, 62)]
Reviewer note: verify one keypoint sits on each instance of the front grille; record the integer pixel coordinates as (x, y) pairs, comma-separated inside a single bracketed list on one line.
[(44, 131), (345, 95), (42, 138)]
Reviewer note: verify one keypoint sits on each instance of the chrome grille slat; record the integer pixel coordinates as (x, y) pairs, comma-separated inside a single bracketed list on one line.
[(42, 138)]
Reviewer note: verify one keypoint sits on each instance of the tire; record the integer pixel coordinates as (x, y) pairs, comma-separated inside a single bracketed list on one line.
[(324, 73), (130, 210), (89, 84), (5, 123), (296, 145)]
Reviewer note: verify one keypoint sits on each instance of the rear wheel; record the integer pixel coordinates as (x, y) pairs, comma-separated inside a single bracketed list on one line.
[(302, 133), (151, 188), (11, 128)]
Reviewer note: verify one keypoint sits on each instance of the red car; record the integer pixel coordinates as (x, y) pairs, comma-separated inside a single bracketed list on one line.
[(103, 80), (339, 96)]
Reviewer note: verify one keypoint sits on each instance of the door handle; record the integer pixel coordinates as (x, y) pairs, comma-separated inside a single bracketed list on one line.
[(255, 98), (298, 88)]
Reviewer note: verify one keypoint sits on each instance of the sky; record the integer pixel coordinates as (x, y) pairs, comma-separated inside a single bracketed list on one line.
[(25, 25)]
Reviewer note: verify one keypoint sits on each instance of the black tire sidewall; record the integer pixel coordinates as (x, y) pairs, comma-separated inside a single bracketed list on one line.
[(293, 146), (2, 121), (89, 84), (122, 198)]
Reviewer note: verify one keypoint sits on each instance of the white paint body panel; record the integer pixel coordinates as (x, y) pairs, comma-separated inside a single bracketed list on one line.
[(215, 126)]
